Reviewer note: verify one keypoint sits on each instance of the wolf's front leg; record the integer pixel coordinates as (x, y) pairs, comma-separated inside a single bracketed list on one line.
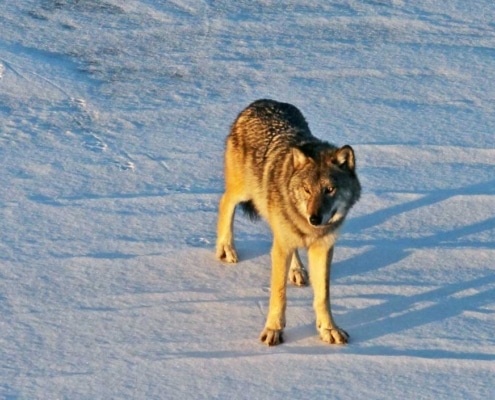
[(225, 249), (320, 260), (275, 322)]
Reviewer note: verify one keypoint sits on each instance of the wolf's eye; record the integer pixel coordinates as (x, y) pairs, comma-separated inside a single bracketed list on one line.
[(306, 189), (329, 190)]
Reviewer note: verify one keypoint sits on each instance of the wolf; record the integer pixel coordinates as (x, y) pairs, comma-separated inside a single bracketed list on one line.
[(303, 187)]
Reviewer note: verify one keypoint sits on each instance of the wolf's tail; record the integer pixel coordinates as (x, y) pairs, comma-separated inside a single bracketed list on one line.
[(250, 210)]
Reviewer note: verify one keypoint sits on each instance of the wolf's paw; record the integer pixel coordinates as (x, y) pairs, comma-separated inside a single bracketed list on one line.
[(227, 253), (334, 335), (298, 277), (271, 337)]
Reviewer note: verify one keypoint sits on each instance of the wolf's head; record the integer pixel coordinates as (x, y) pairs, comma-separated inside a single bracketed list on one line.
[(324, 185)]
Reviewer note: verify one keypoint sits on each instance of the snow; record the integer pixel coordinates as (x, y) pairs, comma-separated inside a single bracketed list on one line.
[(113, 116)]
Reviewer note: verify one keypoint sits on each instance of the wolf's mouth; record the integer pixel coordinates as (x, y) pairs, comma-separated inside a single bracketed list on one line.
[(326, 222)]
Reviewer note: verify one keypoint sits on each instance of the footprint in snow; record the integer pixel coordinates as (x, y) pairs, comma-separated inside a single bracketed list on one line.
[(125, 165), (94, 143), (198, 241)]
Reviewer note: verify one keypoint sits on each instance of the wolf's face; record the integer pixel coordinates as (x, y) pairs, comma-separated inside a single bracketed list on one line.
[(324, 187)]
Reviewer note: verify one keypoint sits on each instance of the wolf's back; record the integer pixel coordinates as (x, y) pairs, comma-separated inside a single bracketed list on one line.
[(266, 126), (259, 152)]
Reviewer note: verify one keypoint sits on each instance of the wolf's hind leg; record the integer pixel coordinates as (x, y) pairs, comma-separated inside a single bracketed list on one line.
[(225, 248), (298, 275)]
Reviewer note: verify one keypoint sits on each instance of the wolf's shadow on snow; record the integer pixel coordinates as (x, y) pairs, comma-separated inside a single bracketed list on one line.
[(397, 313)]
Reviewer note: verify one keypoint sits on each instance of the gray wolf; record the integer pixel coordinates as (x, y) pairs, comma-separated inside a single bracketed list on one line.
[(303, 187)]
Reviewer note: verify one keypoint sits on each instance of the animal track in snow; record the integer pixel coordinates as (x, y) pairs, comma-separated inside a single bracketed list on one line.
[(94, 143), (125, 165), (85, 120), (83, 123), (199, 241)]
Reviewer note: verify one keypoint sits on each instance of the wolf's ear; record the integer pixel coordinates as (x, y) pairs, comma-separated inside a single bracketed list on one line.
[(299, 158), (344, 158)]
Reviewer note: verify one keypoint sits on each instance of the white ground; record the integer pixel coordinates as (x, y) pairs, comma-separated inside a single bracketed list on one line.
[(112, 122)]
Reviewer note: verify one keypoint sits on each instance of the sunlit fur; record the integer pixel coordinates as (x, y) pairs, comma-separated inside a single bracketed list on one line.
[(303, 187)]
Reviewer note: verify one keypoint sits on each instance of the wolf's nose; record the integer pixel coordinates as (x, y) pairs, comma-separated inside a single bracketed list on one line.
[(315, 219)]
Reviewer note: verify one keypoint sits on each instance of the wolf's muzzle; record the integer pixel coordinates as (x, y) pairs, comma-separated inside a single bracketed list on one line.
[(321, 220)]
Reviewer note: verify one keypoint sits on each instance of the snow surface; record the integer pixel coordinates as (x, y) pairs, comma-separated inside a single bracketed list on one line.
[(113, 116)]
